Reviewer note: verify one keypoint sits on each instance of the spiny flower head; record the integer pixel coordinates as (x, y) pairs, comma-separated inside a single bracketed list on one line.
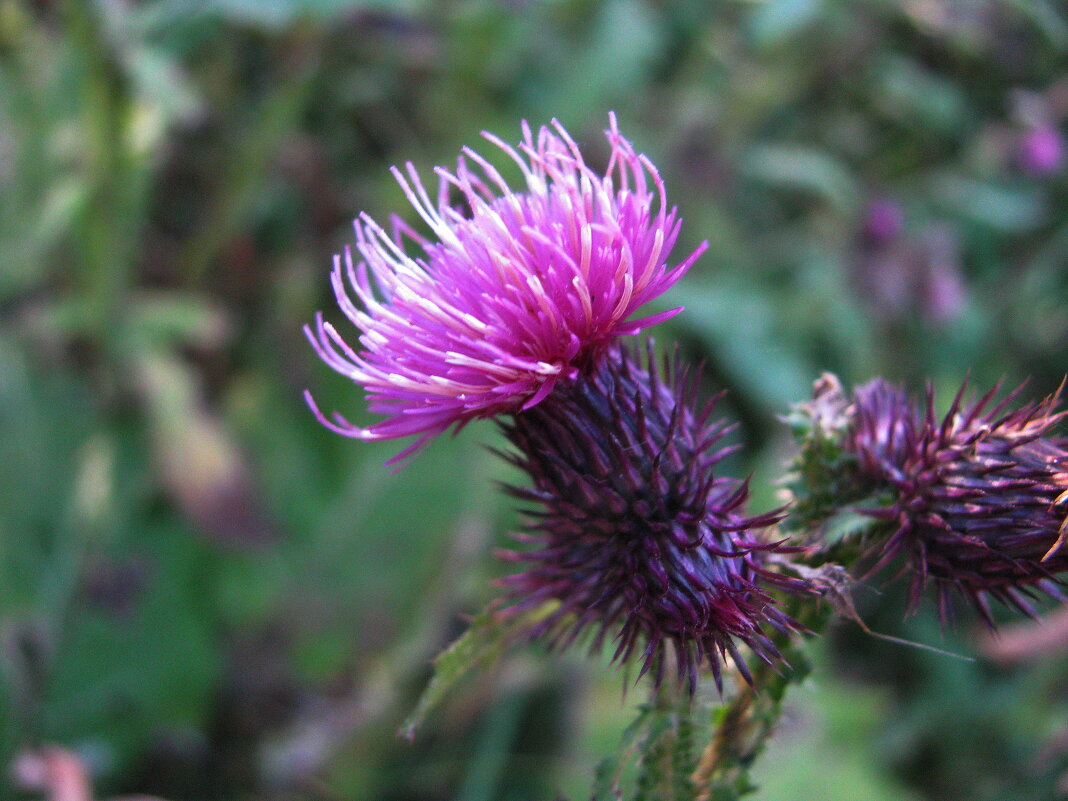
[(978, 498), (517, 290), (635, 535)]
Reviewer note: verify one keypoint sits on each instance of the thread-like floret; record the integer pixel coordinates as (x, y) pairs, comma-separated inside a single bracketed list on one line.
[(515, 291)]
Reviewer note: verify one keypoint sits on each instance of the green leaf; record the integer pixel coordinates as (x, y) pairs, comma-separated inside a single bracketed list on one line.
[(846, 524), (616, 56), (906, 90), (775, 21), (277, 14), (1047, 18), (803, 168), (606, 785), (1006, 208), (741, 327), (481, 645)]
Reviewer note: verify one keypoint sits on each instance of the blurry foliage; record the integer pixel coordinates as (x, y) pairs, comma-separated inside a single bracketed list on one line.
[(208, 596)]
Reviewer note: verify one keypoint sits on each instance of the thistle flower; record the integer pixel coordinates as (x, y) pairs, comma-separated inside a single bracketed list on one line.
[(635, 535), (977, 499), (1041, 150), (883, 222), (519, 290)]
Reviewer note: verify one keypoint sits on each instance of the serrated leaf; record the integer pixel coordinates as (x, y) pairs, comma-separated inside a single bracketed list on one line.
[(480, 646), (661, 758), (605, 780), (606, 785), (847, 523)]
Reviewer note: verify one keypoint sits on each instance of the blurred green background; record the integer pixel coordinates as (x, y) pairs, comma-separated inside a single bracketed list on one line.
[(208, 596)]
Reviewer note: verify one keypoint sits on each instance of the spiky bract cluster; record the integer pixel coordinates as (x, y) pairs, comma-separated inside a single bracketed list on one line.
[(518, 290), (977, 497), (636, 536)]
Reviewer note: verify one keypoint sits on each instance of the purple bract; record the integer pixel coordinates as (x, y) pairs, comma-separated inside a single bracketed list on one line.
[(635, 536), (516, 291), (977, 498)]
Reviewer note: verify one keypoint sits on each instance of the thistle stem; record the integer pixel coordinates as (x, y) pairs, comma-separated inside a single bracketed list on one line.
[(745, 722)]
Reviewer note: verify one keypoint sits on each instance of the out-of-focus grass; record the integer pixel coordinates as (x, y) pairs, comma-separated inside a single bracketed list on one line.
[(824, 746)]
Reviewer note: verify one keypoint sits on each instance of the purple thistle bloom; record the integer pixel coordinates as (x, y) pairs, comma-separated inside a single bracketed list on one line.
[(884, 220), (978, 498), (636, 536), (1041, 150), (518, 291)]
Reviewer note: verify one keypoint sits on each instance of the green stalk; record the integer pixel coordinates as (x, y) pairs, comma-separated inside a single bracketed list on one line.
[(745, 723), (105, 240), (248, 164)]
